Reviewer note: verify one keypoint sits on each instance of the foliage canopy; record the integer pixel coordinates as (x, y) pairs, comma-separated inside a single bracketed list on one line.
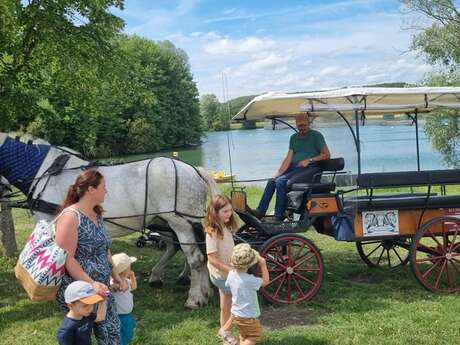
[(69, 75)]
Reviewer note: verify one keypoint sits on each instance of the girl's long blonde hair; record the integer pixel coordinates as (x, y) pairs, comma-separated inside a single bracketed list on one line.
[(212, 225)]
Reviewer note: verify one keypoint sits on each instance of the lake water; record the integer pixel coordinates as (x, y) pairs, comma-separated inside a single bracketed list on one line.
[(257, 153)]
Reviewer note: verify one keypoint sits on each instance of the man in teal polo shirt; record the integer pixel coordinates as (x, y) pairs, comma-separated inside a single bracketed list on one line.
[(306, 148)]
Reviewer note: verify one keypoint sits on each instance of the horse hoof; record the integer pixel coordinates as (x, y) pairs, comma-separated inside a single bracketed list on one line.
[(191, 306), (156, 284), (183, 281)]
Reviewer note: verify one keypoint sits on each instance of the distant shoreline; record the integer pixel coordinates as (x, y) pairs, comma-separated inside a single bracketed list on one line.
[(327, 124)]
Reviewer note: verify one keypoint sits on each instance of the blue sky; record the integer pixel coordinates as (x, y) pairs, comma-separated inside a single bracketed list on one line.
[(288, 45)]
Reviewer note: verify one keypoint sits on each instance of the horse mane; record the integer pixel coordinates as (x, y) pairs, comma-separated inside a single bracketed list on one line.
[(26, 138)]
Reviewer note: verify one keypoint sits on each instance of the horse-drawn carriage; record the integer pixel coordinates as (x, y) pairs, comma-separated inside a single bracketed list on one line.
[(389, 229)]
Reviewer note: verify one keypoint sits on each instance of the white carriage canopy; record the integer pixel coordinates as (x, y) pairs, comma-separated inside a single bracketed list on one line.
[(349, 101)]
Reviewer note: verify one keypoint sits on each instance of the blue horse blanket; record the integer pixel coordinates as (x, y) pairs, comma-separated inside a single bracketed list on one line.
[(19, 162)]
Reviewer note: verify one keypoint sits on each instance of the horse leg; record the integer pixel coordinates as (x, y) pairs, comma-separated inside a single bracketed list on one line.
[(199, 288), (155, 279), (184, 276)]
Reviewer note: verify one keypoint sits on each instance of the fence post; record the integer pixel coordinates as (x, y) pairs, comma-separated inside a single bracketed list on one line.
[(8, 237)]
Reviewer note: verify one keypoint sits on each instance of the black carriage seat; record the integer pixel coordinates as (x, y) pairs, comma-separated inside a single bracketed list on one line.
[(406, 201), (409, 178), (332, 165), (387, 202)]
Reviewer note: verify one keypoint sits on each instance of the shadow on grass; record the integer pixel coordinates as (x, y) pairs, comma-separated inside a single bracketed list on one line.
[(26, 311), (11, 291), (350, 285), (294, 340)]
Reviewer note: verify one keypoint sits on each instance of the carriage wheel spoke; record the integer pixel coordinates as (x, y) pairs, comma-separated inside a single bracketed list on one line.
[(445, 239), (304, 259), (276, 262), (381, 255), (438, 278), (388, 257), (289, 278), (449, 279), (452, 246), (367, 256), (289, 263), (277, 277), (429, 270), (434, 238), (397, 254), (279, 287), (455, 266), (304, 278), (299, 251), (276, 269), (433, 258), (427, 250), (307, 269), (298, 287)]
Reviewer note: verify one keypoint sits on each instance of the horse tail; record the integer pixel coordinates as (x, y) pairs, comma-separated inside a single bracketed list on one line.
[(212, 184)]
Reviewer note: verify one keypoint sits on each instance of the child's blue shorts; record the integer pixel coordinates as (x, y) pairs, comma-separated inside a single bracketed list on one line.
[(127, 325)]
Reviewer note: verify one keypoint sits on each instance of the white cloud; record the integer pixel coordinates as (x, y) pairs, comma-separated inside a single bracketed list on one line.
[(304, 55), (272, 63), (230, 11), (185, 6), (247, 45)]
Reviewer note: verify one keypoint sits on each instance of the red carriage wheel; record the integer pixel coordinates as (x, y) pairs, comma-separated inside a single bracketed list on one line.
[(295, 267), (435, 255)]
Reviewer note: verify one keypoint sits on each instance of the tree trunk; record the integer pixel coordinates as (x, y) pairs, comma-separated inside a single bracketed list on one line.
[(7, 234)]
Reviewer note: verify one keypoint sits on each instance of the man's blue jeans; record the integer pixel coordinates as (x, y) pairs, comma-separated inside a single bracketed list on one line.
[(279, 184)]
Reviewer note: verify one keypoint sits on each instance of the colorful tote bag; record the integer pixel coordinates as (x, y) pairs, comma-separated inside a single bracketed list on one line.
[(41, 264)]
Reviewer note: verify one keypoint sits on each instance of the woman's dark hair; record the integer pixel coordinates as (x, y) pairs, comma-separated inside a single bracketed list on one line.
[(88, 178)]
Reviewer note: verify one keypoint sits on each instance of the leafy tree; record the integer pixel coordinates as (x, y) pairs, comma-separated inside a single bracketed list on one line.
[(209, 108), (153, 82), (217, 116), (40, 34), (442, 126), (133, 96), (440, 44)]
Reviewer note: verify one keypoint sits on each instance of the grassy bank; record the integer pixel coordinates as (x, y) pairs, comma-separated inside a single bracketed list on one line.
[(356, 305)]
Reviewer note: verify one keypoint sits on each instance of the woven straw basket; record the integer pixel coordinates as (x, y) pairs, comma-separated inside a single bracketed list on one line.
[(36, 292)]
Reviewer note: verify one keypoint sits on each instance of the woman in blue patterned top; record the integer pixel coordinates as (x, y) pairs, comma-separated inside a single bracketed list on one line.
[(81, 232)]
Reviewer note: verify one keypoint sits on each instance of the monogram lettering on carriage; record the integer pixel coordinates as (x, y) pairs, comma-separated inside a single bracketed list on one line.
[(380, 223)]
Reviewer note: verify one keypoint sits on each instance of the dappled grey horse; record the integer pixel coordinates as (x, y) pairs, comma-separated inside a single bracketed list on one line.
[(138, 193)]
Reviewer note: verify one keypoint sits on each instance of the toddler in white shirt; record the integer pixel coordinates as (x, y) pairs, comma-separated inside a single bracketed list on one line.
[(124, 300)]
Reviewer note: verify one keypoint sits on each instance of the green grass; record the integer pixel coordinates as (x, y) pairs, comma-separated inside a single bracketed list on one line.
[(355, 305)]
